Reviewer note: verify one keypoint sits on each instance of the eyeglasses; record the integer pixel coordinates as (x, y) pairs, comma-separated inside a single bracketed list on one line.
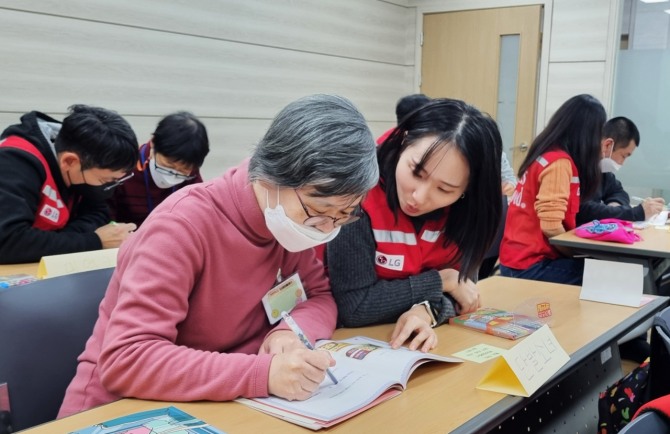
[(113, 184), (106, 186), (318, 220), (165, 171)]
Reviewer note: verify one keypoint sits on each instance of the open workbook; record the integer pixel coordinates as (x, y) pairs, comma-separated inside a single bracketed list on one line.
[(368, 372)]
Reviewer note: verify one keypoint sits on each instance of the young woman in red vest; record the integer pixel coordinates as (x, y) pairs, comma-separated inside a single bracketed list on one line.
[(561, 167), (412, 256)]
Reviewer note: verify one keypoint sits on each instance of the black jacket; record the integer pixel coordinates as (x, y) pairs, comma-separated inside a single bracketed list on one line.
[(21, 179), (610, 191)]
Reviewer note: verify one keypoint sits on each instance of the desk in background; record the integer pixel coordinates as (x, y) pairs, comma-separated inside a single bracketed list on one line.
[(655, 244), (442, 398), (8, 269)]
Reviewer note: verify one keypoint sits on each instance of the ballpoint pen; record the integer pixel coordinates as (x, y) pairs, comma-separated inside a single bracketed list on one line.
[(303, 338)]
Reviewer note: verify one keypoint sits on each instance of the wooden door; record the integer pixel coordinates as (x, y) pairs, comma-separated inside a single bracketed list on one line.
[(461, 58)]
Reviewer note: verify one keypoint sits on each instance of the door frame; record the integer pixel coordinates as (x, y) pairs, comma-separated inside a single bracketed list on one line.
[(466, 5), (616, 9)]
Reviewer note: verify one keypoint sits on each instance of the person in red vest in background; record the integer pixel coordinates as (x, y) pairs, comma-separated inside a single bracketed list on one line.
[(168, 162), (560, 170), (414, 254), (55, 180)]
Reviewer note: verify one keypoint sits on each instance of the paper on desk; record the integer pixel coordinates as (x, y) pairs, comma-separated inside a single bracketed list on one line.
[(659, 219), (480, 353), (525, 367), (58, 265), (612, 282)]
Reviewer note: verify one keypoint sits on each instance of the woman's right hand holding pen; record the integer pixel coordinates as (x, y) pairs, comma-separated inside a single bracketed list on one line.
[(296, 374)]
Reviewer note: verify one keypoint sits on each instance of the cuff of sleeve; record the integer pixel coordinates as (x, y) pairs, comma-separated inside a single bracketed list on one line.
[(445, 309), (426, 286)]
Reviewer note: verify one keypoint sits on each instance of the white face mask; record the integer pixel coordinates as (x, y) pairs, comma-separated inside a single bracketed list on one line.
[(607, 165), (292, 236), (162, 180)]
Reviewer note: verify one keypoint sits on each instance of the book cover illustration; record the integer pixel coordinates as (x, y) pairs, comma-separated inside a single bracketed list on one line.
[(496, 322), (160, 421)]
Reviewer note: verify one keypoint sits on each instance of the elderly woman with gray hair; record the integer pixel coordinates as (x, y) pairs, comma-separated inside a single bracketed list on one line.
[(191, 312)]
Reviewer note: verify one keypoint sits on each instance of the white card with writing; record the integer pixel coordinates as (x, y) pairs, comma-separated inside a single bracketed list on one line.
[(68, 263), (612, 282), (525, 367)]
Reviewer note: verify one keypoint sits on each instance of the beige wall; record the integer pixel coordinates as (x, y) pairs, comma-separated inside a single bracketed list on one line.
[(235, 63)]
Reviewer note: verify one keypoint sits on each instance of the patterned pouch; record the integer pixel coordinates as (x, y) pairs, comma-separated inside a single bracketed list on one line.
[(618, 404), (616, 230)]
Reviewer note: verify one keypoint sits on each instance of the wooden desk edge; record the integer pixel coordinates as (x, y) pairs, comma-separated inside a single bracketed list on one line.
[(493, 416)]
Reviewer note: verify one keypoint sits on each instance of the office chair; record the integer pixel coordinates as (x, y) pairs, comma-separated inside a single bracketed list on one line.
[(659, 374), (650, 422), (43, 329)]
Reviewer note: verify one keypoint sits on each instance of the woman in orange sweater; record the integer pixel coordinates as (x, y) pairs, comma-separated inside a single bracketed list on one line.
[(562, 166)]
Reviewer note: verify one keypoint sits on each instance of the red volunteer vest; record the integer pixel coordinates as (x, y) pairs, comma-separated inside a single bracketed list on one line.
[(523, 242), (52, 213), (401, 252)]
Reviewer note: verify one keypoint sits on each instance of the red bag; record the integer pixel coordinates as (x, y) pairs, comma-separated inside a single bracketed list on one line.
[(616, 230)]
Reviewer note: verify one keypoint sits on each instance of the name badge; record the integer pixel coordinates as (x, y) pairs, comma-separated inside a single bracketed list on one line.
[(283, 297)]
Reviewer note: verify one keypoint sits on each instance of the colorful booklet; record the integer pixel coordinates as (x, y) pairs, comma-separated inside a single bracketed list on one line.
[(16, 280), (496, 322), (162, 420), (368, 372)]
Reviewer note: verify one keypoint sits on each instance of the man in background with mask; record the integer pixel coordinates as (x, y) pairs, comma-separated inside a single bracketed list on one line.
[(55, 180), (620, 139), (168, 162)]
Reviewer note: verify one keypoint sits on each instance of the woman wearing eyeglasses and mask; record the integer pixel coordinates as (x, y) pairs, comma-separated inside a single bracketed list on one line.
[(168, 162), (189, 313), (413, 257)]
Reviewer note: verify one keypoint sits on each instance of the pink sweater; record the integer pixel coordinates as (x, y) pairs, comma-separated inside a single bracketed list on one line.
[(182, 318)]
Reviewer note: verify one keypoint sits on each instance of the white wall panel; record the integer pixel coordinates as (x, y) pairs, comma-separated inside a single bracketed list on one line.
[(369, 30), (569, 79), (142, 72), (579, 30)]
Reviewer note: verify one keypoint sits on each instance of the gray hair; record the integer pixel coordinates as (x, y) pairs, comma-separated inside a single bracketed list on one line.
[(320, 141)]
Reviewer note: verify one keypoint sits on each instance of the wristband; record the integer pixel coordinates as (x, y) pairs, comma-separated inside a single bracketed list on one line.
[(426, 304)]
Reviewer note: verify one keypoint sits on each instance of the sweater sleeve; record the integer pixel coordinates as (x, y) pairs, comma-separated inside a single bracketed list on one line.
[(364, 299), (551, 202), (506, 171), (20, 186), (140, 354)]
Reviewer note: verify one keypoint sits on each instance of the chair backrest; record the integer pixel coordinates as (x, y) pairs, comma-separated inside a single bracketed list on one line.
[(659, 374), (647, 423), (44, 327)]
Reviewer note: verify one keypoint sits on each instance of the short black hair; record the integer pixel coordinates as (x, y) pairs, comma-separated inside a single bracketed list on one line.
[(182, 137), (622, 130), (407, 104), (100, 137)]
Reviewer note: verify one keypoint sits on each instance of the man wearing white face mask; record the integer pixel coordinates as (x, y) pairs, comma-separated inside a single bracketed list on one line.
[(168, 162), (620, 139)]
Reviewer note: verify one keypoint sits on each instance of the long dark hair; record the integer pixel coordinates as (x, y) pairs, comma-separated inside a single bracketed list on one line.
[(575, 128), (473, 220)]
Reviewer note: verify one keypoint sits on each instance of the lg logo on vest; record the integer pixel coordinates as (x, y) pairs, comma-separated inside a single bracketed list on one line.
[(392, 262)]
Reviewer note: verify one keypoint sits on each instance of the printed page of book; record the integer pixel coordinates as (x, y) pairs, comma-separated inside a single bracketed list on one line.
[(162, 420), (365, 369)]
